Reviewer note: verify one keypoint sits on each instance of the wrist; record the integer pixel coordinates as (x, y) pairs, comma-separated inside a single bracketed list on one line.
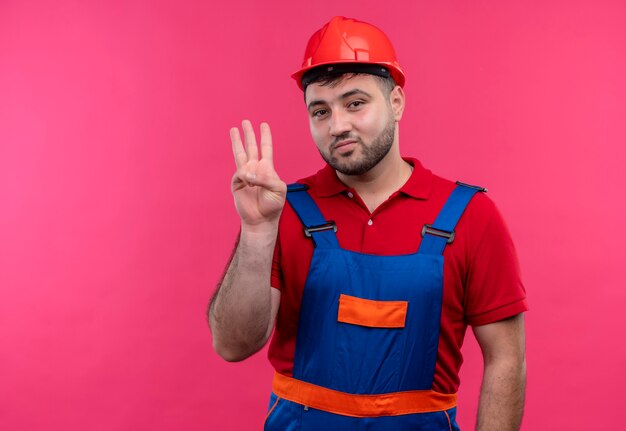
[(259, 231)]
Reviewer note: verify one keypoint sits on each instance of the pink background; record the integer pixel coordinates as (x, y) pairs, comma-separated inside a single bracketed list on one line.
[(116, 217)]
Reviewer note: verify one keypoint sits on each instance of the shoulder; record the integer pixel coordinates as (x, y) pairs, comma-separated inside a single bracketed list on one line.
[(323, 183), (480, 208), (311, 181), (289, 221), (481, 221), (478, 214)]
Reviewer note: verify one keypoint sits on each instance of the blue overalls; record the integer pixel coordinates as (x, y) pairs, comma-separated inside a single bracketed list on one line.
[(368, 333)]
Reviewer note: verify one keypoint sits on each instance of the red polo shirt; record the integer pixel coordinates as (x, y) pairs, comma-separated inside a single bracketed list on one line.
[(482, 281)]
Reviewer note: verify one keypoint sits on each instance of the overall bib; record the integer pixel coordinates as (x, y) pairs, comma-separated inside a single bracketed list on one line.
[(368, 333)]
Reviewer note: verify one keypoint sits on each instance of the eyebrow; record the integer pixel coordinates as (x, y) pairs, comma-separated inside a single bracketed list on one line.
[(344, 96)]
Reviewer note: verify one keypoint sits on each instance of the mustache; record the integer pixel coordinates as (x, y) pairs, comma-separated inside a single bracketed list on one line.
[(343, 137)]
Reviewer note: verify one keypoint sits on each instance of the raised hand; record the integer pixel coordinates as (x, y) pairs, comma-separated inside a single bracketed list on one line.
[(258, 191)]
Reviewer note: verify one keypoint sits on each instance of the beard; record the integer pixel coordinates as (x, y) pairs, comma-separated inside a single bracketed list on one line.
[(372, 153)]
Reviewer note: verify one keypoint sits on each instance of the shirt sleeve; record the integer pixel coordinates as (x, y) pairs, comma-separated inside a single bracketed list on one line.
[(494, 289)]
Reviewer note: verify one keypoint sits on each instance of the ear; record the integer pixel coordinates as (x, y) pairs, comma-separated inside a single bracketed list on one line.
[(397, 100)]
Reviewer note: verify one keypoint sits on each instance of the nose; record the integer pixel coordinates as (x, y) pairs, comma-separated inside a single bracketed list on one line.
[(339, 123)]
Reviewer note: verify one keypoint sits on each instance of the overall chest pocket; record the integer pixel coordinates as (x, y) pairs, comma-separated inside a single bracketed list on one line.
[(369, 344), (374, 314)]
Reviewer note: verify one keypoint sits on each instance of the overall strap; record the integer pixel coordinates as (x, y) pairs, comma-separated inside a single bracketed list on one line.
[(316, 227), (441, 232)]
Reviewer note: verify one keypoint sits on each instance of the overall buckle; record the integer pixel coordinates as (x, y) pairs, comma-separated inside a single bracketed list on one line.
[(471, 186), (320, 227), (429, 229)]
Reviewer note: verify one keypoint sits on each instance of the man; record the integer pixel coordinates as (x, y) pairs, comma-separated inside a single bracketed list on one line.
[(372, 272)]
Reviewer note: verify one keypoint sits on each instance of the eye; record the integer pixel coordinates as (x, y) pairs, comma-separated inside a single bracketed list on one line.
[(318, 113), (355, 103)]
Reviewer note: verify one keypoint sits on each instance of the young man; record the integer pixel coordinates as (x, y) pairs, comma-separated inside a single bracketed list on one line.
[(373, 271)]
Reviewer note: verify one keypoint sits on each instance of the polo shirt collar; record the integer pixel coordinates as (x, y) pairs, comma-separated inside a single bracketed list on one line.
[(418, 186), (420, 182)]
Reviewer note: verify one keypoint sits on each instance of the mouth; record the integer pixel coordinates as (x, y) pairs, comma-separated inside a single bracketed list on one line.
[(345, 145)]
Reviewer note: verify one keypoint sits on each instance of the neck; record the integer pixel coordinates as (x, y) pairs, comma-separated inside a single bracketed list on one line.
[(376, 185)]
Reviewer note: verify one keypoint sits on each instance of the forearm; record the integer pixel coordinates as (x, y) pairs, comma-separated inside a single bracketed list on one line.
[(502, 395), (240, 313)]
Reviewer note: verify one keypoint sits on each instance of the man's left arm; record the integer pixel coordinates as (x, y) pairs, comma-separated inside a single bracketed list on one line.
[(504, 380)]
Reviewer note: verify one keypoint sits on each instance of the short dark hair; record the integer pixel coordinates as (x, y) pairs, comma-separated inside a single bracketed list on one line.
[(386, 84)]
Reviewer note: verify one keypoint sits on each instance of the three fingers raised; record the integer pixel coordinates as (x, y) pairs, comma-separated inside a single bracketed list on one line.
[(249, 151)]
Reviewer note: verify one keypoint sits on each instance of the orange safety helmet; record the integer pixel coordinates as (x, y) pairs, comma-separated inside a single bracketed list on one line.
[(356, 45)]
